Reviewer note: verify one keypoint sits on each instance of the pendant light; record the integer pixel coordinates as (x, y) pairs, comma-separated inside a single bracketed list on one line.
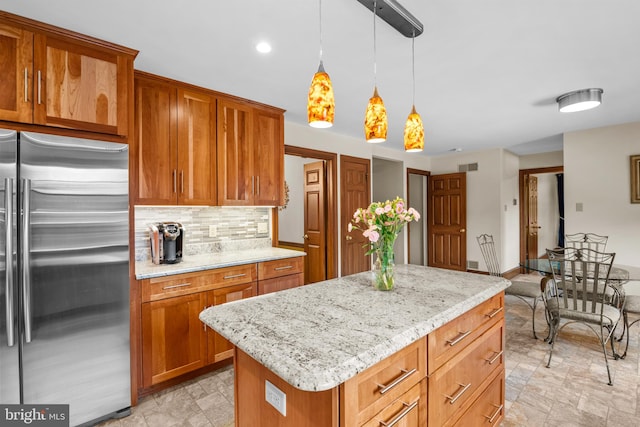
[(320, 105), (413, 128), (375, 119)]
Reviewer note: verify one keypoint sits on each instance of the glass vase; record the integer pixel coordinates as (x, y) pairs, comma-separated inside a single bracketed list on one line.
[(383, 270)]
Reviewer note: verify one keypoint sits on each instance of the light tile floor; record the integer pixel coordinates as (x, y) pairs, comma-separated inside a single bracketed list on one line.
[(573, 392)]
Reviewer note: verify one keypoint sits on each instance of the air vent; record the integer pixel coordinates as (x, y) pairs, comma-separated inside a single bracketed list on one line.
[(472, 265), (469, 167)]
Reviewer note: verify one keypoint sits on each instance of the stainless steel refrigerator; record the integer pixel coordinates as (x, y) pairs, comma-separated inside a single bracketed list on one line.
[(64, 271)]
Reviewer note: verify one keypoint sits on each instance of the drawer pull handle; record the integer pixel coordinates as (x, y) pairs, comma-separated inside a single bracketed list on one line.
[(181, 285), (288, 267), (401, 415), (494, 312), (494, 358), (405, 374), (461, 336), (453, 399), (234, 276), (495, 414)]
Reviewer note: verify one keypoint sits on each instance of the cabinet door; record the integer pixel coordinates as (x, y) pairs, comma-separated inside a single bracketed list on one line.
[(79, 86), (16, 69), (280, 283), (235, 169), (173, 337), (409, 410), (219, 347), (197, 148), (155, 143), (268, 157)]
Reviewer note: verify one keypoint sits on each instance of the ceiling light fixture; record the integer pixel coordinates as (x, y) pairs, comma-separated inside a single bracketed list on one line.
[(263, 47), (375, 118), (321, 104), (413, 128), (579, 100)]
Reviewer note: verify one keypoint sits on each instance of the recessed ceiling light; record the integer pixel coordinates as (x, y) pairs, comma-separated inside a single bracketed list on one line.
[(263, 47), (456, 150)]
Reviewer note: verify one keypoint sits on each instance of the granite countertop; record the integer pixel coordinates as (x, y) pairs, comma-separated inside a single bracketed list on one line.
[(147, 270), (317, 336)]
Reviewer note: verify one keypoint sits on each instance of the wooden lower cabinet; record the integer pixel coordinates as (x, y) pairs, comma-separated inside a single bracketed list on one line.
[(280, 274), (218, 347), (465, 387), (173, 338)]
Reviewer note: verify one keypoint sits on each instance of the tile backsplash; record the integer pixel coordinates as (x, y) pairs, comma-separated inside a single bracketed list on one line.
[(236, 228)]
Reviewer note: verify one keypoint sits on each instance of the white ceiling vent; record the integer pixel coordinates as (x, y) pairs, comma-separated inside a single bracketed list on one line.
[(469, 167)]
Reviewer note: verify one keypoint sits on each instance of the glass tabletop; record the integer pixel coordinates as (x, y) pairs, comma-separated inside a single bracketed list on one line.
[(619, 272)]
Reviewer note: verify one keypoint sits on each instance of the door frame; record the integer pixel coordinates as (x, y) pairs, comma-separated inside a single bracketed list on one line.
[(331, 163), (524, 213), (411, 171)]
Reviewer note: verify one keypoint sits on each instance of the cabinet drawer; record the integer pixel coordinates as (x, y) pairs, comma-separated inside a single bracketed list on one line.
[(280, 283), (373, 389), (409, 410), (198, 281), (459, 381), (280, 267), (448, 340), (489, 408)]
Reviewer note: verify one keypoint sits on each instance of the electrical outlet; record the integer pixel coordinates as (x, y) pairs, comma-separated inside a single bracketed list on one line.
[(213, 231), (275, 397), (263, 227)]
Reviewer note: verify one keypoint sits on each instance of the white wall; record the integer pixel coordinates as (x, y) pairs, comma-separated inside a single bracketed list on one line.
[(509, 248), (291, 219), (596, 166), (542, 160)]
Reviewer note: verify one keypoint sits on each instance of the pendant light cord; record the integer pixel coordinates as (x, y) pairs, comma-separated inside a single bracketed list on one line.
[(375, 7), (413, 66), (320, 15)]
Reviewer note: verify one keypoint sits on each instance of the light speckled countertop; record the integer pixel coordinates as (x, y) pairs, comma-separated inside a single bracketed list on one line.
[(147, 270), (316, 337)]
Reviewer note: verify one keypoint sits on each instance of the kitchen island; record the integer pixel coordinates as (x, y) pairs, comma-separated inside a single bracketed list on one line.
[(339, 353)]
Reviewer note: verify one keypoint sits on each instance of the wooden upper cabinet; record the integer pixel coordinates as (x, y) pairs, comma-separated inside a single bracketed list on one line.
[(250, 154), (196, 148), (268, 157), (155, 142), (174, 148), (55, 77), (236, 182), (16, 69)]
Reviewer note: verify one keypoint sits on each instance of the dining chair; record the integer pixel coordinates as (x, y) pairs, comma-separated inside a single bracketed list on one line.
[(529, 292), (586, 241), (631, 305), (578, 294)]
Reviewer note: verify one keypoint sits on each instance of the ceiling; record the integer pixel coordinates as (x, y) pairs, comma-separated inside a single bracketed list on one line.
[(487, 72)]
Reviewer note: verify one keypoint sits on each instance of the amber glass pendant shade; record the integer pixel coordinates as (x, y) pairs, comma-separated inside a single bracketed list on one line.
[(375, 120), (321, 105), (413, 132)]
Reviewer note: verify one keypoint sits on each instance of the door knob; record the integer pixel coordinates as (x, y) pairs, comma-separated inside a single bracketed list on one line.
[(349, 237), (462, 230), (306, 236)]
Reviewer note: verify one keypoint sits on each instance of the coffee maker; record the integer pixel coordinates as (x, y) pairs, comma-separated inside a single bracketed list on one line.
[(166, 242)]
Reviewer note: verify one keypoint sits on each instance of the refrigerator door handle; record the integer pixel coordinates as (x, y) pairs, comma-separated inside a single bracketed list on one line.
[(26, 254), (8, 251)]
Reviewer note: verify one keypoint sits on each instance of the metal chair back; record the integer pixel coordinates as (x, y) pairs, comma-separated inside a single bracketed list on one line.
[(586, 241), (488, 249)]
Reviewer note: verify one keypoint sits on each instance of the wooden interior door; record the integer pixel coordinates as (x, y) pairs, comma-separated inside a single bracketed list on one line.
[(532, 210), (355, 192), (196, 179), (448, 221), (315, 240), (16, 69)]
